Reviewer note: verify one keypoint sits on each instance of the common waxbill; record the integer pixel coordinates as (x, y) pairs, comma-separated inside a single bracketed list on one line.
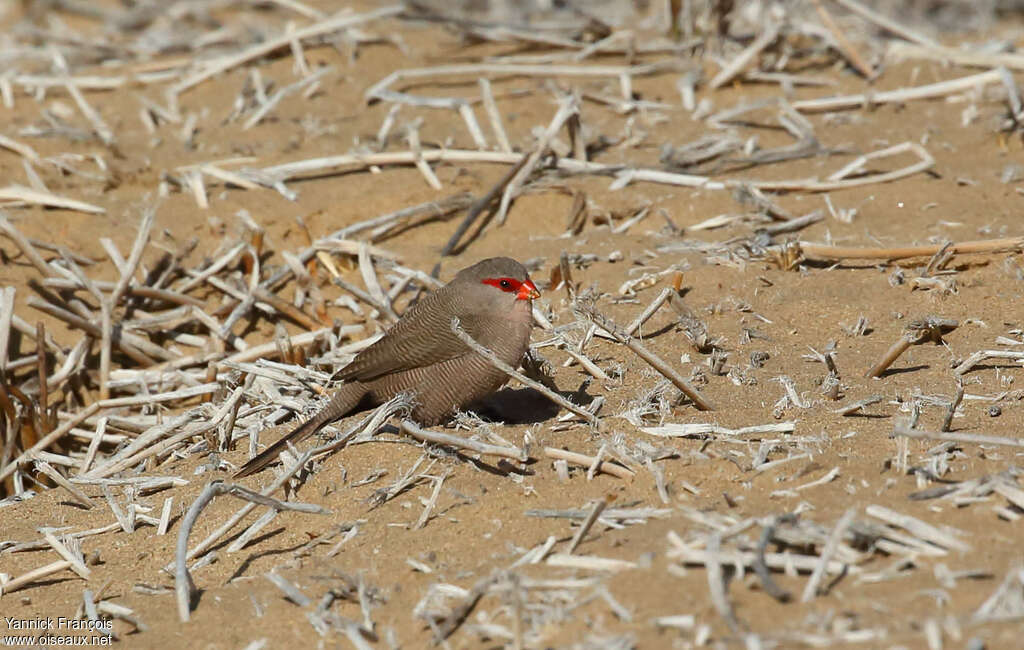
[(420, 354)]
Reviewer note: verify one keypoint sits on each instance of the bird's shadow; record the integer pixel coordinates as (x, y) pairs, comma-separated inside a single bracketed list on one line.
[(519, 406)]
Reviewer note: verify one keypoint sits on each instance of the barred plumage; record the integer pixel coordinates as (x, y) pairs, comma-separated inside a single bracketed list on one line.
[(421, 354)]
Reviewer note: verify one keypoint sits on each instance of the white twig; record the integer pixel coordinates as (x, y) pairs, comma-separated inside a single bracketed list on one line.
[(184, 588), (523, 379), (318, 29), (740, 63), (491, 108), (834, 539), (457, 442)]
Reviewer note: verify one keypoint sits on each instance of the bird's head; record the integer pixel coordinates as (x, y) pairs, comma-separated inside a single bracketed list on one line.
[(499, 283)]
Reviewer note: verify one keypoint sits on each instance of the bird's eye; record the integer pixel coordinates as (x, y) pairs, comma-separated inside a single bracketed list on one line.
[(508, 285)]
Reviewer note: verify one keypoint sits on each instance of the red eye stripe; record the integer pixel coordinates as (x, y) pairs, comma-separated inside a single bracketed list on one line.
[(508, 285)]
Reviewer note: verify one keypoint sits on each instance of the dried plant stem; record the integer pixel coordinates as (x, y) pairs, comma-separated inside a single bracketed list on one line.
[(902, 429), (19, 148), (127, 343), (901, 345), (654, 360), (583, 460), (26, 247), (918, 331), (7, 295), (33, 575), (77, 565), (918, 528), (41, 375), (523, 379), (947, 422), (59, 479), (20, 195), (649, 311), (825, 252), (831, 544), (567, 108), (847, 49), (588, 523), (716, 582), (274, 176), (740, 63), (270, 350), (380, 88), (957, 56), (491, 108), (479, 206), (285, 308), (457, 442), (853, 407), (232, 521), (930, 91), (384, 224), (184, 588), (318, 29), (50, 438), (982, 355), (447, 626), (99, 127)]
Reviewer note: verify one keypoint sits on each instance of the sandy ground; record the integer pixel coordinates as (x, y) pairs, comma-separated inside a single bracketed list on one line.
[(481, 522)]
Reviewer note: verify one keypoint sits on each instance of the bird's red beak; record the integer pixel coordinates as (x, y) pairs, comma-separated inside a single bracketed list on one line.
[(527, 291)]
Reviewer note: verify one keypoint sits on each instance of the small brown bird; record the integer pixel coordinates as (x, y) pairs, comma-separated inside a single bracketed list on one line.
[(420, 354)]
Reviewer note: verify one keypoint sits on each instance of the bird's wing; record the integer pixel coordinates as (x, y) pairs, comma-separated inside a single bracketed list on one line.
[(422, 337)]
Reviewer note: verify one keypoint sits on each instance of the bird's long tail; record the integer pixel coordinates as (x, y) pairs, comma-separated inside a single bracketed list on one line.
[(344, 400)]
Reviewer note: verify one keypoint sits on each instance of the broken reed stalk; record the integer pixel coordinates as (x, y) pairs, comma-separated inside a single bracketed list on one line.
[(895, 350), (108, 304), (523, 379), (476, 70), (26, 247), (927, 329), (656, 362), (588, 523), (831, 545), (232, 521), (50, 438), (849, 52), (21, 581), (275, 176), (478, 207), (447, 626), (433, 437), (59, 479), (981, 355), (716, 582), (7, 295), (286, 309), (568, 107), (582, 460), (184, 589), (17, 195), (824, 252), (929, 91), (761, 566), (387, 223), (903, 429), (974, 57), (42, 374), (125, 343), (746, 57), (947, 422), (319, 29), (887, 23)]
